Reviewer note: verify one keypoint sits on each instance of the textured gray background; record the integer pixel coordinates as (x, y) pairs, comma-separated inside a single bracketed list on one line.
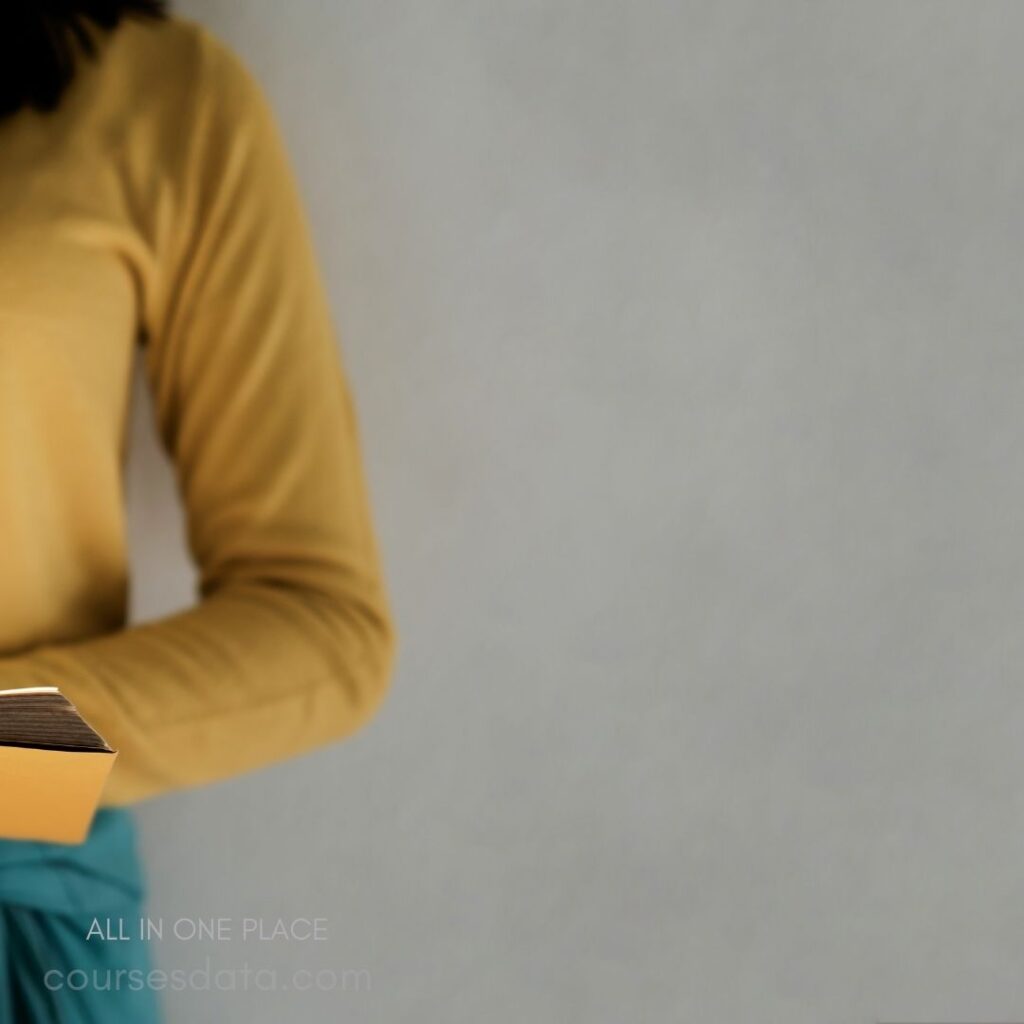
[(687, 345)]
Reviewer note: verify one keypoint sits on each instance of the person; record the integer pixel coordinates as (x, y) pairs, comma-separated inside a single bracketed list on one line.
[(146, 206)]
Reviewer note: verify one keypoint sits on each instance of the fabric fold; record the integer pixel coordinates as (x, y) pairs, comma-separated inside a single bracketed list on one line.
[(54, 899)]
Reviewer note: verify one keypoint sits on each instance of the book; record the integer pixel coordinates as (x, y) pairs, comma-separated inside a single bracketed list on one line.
[(53, 767)]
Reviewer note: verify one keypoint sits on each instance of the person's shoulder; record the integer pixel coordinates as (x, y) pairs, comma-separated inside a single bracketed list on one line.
[(176, 68)]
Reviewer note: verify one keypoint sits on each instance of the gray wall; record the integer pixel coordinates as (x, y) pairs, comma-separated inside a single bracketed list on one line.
[(687, 345)]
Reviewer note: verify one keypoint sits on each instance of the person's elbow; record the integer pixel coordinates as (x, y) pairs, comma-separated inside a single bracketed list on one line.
[(365, 667)]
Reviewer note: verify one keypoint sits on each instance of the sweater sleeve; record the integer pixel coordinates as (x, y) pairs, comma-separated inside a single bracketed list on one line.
[(291, 642)]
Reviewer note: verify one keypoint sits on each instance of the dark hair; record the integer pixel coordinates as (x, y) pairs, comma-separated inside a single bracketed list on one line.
[(41, 42)]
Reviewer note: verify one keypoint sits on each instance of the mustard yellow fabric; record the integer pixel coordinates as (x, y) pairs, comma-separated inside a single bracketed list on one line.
[(154, 216)]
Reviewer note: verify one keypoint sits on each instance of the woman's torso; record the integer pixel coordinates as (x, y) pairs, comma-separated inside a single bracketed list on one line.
[(82, 191)]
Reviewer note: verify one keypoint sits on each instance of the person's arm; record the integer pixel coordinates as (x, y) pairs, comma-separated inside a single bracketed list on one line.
[(291, 644)]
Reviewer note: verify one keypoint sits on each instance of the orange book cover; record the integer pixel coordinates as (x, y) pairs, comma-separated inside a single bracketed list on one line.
[(53, 767)]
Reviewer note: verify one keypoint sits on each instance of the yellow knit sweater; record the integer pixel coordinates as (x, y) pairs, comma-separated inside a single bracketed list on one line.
[(154, 214)]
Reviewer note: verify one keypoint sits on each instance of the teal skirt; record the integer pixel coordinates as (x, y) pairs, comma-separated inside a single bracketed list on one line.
[(61, 912)]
